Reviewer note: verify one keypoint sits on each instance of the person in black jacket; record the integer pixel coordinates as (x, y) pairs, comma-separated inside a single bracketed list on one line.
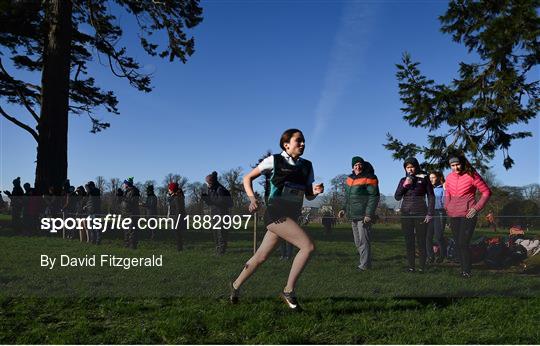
[(16, 201), (92, 207), (80, 200), (176, 205), (219, 199), (129, 207), (150, 206), (415, 214)]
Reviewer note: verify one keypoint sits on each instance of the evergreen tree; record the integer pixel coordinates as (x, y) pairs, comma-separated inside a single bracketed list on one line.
[(474, 114), (59, 38)]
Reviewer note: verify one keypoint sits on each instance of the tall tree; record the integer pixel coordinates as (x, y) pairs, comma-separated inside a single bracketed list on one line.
[(474, 114), (59, 38)]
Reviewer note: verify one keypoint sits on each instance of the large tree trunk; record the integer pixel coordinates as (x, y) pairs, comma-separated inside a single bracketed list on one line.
[(51, 168)]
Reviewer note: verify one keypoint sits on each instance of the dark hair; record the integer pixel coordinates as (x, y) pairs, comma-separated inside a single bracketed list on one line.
[(466, 165), (286, 137), (439, 175)]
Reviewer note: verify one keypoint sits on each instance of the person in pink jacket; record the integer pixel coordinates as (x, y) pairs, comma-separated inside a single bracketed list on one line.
[(462, 207)]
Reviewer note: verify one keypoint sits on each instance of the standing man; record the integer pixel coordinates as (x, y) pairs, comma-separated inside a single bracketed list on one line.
[(176, 205), (361, 199), (92, 207), (16, 202), (218, 198), (130, 208), (150, 206)]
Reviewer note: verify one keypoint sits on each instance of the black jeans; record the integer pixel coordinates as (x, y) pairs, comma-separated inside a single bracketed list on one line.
[(414, 226), (436, 228), (463, 229)]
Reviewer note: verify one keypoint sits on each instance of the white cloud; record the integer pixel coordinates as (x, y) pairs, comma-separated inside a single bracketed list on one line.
[(345, 62)]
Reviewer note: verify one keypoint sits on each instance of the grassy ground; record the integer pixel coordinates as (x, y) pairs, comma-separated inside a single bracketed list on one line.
[(185, 300)]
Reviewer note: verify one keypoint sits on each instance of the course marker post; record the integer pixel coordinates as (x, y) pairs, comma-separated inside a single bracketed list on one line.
[(254, 232)]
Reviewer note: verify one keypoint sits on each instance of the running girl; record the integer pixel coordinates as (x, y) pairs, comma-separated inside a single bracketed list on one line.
[(291, 178)]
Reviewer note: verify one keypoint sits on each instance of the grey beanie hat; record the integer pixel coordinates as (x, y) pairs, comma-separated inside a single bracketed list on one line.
[(453, 159)]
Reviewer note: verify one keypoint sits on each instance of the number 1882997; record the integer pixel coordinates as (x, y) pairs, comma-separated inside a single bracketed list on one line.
[(196, 222)]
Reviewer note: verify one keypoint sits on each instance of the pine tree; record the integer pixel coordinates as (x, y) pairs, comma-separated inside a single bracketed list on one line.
[(59, 38), (474, 114)]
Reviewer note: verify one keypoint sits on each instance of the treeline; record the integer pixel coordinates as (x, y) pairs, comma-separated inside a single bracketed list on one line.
[(231, 179)]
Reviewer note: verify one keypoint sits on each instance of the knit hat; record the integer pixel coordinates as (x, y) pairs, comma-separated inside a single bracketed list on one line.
[(173, 186), (211, 179), (411, 161), (453, 159), (357, 159), (129, 181)]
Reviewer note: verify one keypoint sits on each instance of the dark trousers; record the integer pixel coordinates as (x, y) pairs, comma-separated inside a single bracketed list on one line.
[(463, 229), (286, 249), (435, 228), (179, 239), (130, 235), (414, 227), (220, 239)]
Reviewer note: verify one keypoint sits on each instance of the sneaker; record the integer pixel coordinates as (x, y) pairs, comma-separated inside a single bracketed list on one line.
[(235, 294), (466, 275), (290, 299), (362, 269), (410, 270), (420, 270)]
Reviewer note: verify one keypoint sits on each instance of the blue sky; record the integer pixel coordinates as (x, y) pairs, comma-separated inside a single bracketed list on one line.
[(260, 67)]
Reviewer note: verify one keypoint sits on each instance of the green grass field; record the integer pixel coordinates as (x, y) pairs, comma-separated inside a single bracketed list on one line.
[(185, 300)]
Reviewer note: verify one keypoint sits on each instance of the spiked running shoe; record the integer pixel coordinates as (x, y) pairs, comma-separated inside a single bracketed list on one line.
[(235, 294), (290, 299)]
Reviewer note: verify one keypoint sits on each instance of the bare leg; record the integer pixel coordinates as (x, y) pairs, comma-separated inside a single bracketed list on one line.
[(294, 234), (268, 244)]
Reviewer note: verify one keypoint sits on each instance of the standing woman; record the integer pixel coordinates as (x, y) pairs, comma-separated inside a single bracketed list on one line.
[(415, 214), (436, 226), (291, 179), (462, 208)]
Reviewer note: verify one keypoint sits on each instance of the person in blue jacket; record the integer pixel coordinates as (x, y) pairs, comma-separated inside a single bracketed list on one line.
[(436, 226)]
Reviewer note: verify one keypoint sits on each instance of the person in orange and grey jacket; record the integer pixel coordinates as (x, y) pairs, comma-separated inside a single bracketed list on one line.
[(361, 199), (415, 214)]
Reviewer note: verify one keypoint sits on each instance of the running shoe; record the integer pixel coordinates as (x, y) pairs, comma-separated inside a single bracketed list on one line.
[(290, 299), (466, 275), (235, 294)]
